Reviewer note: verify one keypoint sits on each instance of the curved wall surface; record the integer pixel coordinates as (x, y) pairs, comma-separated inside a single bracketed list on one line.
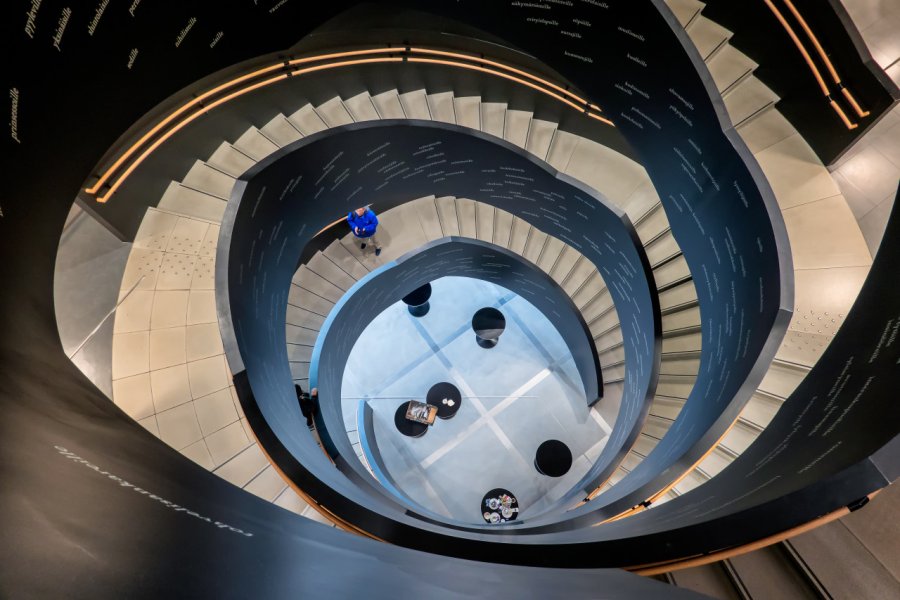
[(116, 512), (720, 207), (451, 256), (279, 205)]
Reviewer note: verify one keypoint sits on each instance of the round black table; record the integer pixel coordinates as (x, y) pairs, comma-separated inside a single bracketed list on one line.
[(446, 397), (417, 300), (407, 427), (488, 324), (499, 506), (553, 459)]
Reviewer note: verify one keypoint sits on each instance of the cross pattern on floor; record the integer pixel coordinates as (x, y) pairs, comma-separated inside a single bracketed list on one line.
[(517, 395)]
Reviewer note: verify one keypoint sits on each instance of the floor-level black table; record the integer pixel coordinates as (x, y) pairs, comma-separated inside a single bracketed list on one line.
[(446, 397), (499, 506), (417, 300), (406, 426), (488, 323), (553, 459)]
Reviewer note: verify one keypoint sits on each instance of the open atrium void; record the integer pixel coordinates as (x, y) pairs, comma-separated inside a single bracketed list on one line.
[(451, 299)]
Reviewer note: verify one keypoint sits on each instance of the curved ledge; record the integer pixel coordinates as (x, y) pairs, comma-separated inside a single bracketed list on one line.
[(328, 173), (456, 256)]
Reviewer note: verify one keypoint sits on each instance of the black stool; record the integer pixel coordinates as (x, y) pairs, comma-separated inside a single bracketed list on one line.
[(417, 300), (407, 427), (444, 391), (488, 324), (553, 459)]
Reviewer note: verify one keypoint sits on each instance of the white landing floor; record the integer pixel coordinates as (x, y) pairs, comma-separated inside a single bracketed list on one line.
[(517, 395)]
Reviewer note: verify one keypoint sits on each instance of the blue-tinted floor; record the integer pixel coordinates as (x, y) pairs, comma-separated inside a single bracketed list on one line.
[(515, 396)]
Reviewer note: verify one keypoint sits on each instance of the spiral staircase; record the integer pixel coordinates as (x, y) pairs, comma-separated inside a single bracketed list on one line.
[(172, 366)]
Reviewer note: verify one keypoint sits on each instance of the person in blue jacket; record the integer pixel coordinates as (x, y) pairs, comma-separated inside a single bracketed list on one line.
[(363, 223)]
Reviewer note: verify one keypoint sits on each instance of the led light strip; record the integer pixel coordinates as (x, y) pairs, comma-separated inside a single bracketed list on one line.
[(702, 559), (826, 60), (549, 84), (812, 66), (437, 61), (584, 107)]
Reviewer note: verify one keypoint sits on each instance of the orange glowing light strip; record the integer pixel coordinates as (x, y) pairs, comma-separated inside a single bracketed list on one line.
[(621, 515), (790, 31), (347, 54), (134, 147), (665, 567), (636, 509), (842, 115), (854, 103), (825, 59), (330, 225), (509, 77), (658, 494), (223, 100), (812, 66), (486, 61)]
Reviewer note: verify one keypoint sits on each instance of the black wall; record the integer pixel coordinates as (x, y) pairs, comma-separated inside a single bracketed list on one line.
[(451, 256), (279, 205), (759, 35), (67, 534)]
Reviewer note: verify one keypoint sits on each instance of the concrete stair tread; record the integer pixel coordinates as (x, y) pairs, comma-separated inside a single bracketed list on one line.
[(255, 145), (338, 254), (415, 105), (516, 126), (361, 107), (185, 201), (708, 36), (446, 209), (309, 280), (503, 223), (493, 118), (468, 111), (540, 136), (729, 66), (334, 113), (209, 180), (484, 222), (307, 120), (685, 10), (551, 252), (749, 98), (322, 266), (230, 160), (388, 105), (280, 130), (441, 107), (465, 213), (428, 217)]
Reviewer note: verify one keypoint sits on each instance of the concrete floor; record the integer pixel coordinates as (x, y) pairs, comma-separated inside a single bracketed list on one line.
[(868, 174), (89, 266), (515, 396)]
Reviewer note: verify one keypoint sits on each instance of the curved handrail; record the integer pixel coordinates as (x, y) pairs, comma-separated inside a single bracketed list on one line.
[(812, 66), (180, 117)]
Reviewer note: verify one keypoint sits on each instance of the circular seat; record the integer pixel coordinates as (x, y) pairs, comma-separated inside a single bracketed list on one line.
[(417, 300), (407, 427), (441, 392), (488, 323), (553, 459)]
